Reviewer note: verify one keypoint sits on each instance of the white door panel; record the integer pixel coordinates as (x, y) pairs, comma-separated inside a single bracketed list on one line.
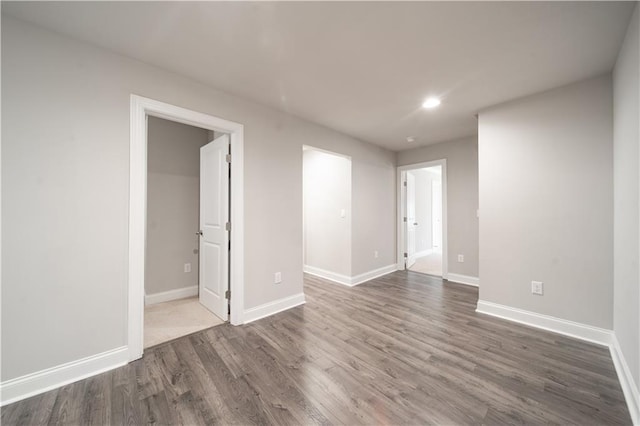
[(214, 214)]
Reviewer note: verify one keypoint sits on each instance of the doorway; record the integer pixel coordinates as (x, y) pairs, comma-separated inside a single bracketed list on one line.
[(326, 207), (185, 196), (422, 242), (229, 258)]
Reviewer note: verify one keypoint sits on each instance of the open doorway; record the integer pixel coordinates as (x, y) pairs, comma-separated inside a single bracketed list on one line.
[(220, 226), (422, 218), (182, 295), (326, 214)]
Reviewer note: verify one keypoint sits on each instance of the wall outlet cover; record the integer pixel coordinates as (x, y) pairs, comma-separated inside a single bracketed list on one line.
[(537, 287)]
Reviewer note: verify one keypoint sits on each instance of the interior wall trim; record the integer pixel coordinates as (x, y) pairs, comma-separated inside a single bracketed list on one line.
[(167, 296), (464, 279), (272, 308), (51, 378), (574, 329), (350, 281)]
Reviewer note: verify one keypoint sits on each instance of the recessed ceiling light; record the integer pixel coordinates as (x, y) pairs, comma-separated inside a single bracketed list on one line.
[(411, 139), (431, 103)]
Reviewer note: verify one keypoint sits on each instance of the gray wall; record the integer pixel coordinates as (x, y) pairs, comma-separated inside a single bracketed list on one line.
[(173, 199), (327, 191), (65, 188), (462, 197), (546, 199), (626, 197)]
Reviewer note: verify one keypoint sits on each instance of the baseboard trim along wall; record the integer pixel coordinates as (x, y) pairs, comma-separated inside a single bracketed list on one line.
[(327, 275), (424, 253), (350, 281), (580, 331), (167, 296), (36, 383), (629, 387), (272, 308), (362, 278), (463, 279), (585, 332)]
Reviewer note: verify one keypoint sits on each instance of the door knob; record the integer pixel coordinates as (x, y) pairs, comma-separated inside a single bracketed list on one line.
[(199, 233)]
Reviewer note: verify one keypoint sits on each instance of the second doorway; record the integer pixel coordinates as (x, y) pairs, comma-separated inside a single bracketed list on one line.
[(424, 220)]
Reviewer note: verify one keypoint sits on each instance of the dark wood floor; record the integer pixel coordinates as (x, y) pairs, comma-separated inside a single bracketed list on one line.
[(401, 349)]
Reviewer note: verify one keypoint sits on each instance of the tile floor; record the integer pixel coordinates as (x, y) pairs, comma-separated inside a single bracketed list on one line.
[(430, 264), (170, 320)]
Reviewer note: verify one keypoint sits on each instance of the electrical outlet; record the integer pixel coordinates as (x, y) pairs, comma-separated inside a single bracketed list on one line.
[(277, 278), (536, 287), (187, 267), (461, 258), (375, 254)]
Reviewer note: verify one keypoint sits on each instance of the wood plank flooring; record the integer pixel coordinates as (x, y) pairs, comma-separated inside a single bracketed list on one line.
[(405, 348)]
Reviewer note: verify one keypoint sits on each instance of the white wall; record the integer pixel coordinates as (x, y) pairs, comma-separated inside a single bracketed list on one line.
[(422, 209), (173, 192), (462, 197), (373, 174), (326, 193), (626, 196), (546, 178), (65, 184), (424, 179)]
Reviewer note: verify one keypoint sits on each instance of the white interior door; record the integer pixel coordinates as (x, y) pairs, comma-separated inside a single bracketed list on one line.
[(214, 237), (411, 219), (436, 203)]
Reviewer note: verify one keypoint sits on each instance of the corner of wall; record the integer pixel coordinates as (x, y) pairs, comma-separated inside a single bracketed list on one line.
[(627, 382)]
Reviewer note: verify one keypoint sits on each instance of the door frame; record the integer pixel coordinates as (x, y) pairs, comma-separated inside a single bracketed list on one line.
[(401, 196), (141, 108)]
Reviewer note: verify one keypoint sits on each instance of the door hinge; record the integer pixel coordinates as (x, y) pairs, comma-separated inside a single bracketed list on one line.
[(227, 226), (228, 158), (405, 254), (404, 183), (227, 294), (404, 219)]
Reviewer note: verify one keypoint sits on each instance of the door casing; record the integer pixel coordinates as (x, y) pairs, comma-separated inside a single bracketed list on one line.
[(141, 108)]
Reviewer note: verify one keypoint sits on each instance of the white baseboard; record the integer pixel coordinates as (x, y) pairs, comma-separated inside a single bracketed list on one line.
[(629, 387), (327, 275), (585, 332), (361, 278), (350, 281), (272, 308), (580, 331), (463, 279), (424, 253), (36, 383), (167, 296)]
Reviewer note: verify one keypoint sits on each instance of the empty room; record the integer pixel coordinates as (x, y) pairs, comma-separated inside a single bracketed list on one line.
[(320, 213)]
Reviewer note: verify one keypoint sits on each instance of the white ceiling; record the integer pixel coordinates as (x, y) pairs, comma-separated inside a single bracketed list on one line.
[(362, 68)]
